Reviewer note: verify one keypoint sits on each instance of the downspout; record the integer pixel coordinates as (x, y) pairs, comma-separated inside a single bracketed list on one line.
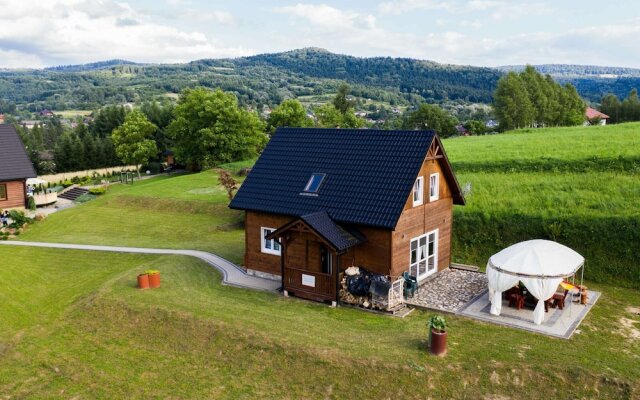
[(283, 244)]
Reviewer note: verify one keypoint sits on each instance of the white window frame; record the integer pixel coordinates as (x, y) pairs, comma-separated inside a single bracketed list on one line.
[(269, 246), (417, 194), (420, 266), (434, 187)]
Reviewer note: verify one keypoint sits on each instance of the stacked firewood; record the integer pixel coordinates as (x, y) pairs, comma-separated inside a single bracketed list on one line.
[(349, 298)]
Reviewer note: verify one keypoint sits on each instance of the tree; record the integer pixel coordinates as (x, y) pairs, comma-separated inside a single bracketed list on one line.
[(330, 117), (341, 101), (226, 180), (107, 119), (630, 109), (476, 127), (535, 85), (210, 128), (161, 115), (610, 105), (289, 113), (432, 117), (132, 140), (512, 104), (573, 107)]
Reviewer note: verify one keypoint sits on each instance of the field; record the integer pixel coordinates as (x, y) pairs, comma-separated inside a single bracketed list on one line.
[(73, 326), (578, 186)]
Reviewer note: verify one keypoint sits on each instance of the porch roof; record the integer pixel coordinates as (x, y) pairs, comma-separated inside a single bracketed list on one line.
[(339, 237)]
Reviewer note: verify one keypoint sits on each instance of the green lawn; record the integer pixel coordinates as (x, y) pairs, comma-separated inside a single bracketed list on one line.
[(184, 211), (72, 325)]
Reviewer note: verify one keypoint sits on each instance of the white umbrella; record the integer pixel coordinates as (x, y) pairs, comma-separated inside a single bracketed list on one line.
[(540, 264)]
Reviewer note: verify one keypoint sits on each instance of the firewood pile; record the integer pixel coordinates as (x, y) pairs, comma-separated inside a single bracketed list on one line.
[(368, 290)]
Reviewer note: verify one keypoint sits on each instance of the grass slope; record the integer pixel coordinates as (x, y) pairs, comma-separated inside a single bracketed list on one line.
[(575, 185), (73, 326), (186, 211)]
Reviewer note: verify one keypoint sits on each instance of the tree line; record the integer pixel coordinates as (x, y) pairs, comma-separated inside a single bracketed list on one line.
[(621, 111), (529, 99)]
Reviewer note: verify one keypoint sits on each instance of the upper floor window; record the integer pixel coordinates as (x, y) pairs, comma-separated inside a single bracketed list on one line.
[(269, 246), (418, 191), (434, 187)]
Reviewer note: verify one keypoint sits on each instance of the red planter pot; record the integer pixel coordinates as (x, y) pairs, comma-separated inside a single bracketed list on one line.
[(438, 343), (154, 280), (143, 281)]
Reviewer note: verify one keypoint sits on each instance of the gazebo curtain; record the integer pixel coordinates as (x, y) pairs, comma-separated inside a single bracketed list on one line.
[(542, 289), (498, 283)]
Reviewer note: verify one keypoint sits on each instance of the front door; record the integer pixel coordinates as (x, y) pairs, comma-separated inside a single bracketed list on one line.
[(424, 255)]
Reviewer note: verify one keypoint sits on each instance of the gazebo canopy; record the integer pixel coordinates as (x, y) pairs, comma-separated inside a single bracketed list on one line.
[(540, 264), (537, 258)]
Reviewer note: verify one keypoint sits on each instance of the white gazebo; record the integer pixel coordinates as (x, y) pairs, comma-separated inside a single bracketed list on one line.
[(541, 265)]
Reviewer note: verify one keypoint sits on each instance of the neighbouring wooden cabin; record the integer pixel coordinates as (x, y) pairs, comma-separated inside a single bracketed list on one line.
[(318, 201), (15, 169)]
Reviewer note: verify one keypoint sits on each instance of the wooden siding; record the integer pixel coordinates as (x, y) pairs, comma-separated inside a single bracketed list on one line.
[(15, 195), (303, 250), (254, 258), (416, 221)]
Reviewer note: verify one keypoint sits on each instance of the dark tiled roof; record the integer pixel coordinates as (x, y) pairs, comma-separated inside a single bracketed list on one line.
[(335, 234), (369, 174), (14, 162)]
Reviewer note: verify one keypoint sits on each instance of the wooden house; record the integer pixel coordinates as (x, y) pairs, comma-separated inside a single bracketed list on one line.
[(318, 201), (15, 169)]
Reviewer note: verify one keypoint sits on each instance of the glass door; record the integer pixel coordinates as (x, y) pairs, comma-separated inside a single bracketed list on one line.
[(424, 255)]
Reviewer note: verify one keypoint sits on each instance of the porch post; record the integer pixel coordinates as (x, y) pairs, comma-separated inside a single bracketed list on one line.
[(337, 274), (283, 253)]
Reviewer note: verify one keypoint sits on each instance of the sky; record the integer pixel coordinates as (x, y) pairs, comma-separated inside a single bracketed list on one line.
[(45, 33)]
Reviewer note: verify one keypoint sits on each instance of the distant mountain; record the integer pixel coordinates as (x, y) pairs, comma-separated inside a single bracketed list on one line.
[(311, 74), (91, 66), (430, 80), (572, 70)]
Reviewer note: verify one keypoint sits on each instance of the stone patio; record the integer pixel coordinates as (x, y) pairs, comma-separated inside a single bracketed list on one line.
[(449, 290), (557, 323)]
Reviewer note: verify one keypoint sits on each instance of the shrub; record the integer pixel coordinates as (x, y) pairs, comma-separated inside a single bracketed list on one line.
[(31, 202), (18, 218), (66, 183), (98, 190)]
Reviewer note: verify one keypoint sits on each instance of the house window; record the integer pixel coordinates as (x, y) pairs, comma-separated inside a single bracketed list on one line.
[(418, 191), (314, 183), (434, 187), (3, 191), (269, 246)]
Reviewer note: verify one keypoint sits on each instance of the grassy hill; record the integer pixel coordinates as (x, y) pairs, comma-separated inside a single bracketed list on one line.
[(573, 185), (73, 326)]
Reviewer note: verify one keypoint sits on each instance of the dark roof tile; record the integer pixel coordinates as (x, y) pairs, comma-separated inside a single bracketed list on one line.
[(14, 162)]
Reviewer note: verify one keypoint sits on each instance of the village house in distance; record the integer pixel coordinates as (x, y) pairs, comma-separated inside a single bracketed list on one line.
[(321, 200), (15, 169)]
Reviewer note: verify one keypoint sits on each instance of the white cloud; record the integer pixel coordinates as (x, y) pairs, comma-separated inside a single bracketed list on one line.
[(66, 31), (17, 59), (404, 6)]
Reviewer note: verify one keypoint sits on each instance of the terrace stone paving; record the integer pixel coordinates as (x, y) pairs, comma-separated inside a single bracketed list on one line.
[(449, 290)]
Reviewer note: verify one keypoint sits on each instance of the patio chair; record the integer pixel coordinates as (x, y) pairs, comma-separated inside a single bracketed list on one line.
[(516, 299), (558, 300), (410, 284)]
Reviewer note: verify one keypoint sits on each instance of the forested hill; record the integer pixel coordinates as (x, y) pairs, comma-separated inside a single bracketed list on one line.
[(257, 80), (432, 81), (310, 74)]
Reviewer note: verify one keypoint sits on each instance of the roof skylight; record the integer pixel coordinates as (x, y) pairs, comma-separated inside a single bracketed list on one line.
[(314, 183)]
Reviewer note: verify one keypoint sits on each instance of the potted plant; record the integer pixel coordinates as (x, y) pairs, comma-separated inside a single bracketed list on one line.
[(154, 278), (437, 335), (143, 281)]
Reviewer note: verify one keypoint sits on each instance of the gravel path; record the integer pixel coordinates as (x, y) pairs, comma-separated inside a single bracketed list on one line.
[(232, 274), (450, 290)]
